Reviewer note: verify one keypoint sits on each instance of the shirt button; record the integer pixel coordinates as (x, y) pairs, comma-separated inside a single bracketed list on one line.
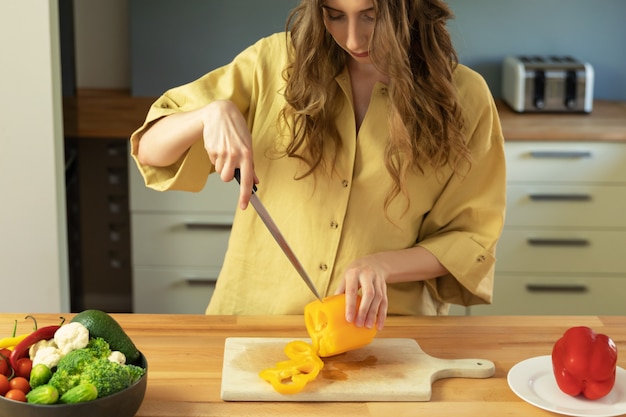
[(334, 224), (164, 105), (481, 258), (323, 267), (345, 183)]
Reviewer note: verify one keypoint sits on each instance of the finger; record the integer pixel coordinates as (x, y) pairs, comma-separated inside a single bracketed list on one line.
[(368, 297), (219, 166), (351, 285), (379, 303), (383, 304), (244, 191), (382, 313)]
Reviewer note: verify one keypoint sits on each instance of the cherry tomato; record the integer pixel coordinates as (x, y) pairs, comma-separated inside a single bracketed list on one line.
[(16, 395), (5, 367), (5, 370), (24, 366), (4, 385), (20, 383)]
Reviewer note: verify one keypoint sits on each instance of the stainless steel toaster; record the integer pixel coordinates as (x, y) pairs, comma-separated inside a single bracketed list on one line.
[(533, 83)]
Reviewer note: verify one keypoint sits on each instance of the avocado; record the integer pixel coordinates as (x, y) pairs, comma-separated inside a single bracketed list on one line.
[(101, 324)]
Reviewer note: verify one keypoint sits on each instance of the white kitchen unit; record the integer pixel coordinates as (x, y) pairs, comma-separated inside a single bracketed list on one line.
[(562, 250), (178, 244)]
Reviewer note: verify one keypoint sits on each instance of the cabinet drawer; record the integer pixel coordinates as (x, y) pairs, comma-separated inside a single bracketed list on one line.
[(217, 197), (188, 240), (566, 162), (561, 251), (537, 295), (570, 205), (173, 291)]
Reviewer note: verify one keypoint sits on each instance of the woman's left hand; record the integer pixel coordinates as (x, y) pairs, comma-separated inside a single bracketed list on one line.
[(365, 275)]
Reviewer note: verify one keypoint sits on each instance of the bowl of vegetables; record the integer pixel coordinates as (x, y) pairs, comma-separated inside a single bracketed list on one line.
[(88, 367)]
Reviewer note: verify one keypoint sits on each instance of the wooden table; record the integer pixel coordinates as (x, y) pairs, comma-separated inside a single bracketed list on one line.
[(185, 355)]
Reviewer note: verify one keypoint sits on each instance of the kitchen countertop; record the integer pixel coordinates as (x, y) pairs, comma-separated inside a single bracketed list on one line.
[(606, 122), (185, 354), (114, 114)]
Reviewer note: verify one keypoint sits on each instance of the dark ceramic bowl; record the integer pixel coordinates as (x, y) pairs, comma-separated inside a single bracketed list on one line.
[(122, 404)]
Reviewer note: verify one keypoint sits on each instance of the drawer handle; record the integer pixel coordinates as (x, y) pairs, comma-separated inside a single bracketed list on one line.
[(557, 242), (560, 197), (200, 281), (561, 154), (570, 288), (205, 226)]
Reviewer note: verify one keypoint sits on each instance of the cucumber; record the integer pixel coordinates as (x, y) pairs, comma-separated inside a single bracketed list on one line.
[(101, 324), (43, 394), (79, 394), (40, 374)]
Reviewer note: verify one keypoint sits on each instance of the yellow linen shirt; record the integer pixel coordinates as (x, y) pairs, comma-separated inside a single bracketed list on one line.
[(331, 219)]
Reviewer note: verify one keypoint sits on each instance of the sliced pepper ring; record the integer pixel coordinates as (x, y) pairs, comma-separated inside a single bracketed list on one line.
[(291, 376)]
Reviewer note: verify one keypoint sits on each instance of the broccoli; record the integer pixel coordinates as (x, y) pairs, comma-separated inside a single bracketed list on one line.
[(108, 377), (98, 347), (69, 368), (136, 372), (91, 365)]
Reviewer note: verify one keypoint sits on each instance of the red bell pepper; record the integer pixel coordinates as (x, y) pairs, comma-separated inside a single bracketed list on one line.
[(584, 362)]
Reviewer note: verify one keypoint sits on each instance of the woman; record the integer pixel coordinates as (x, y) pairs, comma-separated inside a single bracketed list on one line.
[(380, 157)]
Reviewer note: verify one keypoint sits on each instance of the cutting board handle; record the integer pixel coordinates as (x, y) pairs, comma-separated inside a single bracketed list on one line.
[(463, 368)]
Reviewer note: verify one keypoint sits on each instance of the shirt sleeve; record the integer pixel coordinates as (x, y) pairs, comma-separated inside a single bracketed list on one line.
[(464, 225), (235, 82)]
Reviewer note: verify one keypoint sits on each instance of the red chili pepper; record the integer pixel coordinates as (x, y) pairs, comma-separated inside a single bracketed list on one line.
[(20, 350), (584, 362)]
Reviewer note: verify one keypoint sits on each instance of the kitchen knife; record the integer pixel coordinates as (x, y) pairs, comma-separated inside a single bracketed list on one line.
[(278, 236)]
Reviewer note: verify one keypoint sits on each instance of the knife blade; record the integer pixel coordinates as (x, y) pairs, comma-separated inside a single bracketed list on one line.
[(278, 236)]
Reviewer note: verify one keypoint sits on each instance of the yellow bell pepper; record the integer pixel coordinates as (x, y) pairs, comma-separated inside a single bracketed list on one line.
[(291, 376), (330, 333), (11, 342)]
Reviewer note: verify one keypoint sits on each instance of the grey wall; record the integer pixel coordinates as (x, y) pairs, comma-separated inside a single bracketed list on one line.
[(593, 31), (175, 42)]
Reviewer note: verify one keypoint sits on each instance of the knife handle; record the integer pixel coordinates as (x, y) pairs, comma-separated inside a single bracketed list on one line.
[(238, 178)]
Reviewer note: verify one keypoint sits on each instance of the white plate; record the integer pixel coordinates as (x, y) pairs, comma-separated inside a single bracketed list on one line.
[(533, 381)]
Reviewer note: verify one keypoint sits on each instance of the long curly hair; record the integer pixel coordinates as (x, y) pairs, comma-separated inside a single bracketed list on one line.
[(412, 47)]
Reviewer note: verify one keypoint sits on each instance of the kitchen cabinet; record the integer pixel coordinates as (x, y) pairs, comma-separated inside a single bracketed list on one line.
[(178, 243), (97, 124), (98, 224), (561, 251)]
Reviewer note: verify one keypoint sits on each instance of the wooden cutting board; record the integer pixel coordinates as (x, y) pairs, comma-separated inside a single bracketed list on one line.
[(385, 370)]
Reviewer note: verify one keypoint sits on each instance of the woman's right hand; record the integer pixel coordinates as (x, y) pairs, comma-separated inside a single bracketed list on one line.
[(225, 135), (228, 143)]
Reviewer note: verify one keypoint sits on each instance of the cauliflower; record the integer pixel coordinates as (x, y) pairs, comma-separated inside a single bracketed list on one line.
[(117, 356), (32, 351), (70, 337), (48, 355)]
